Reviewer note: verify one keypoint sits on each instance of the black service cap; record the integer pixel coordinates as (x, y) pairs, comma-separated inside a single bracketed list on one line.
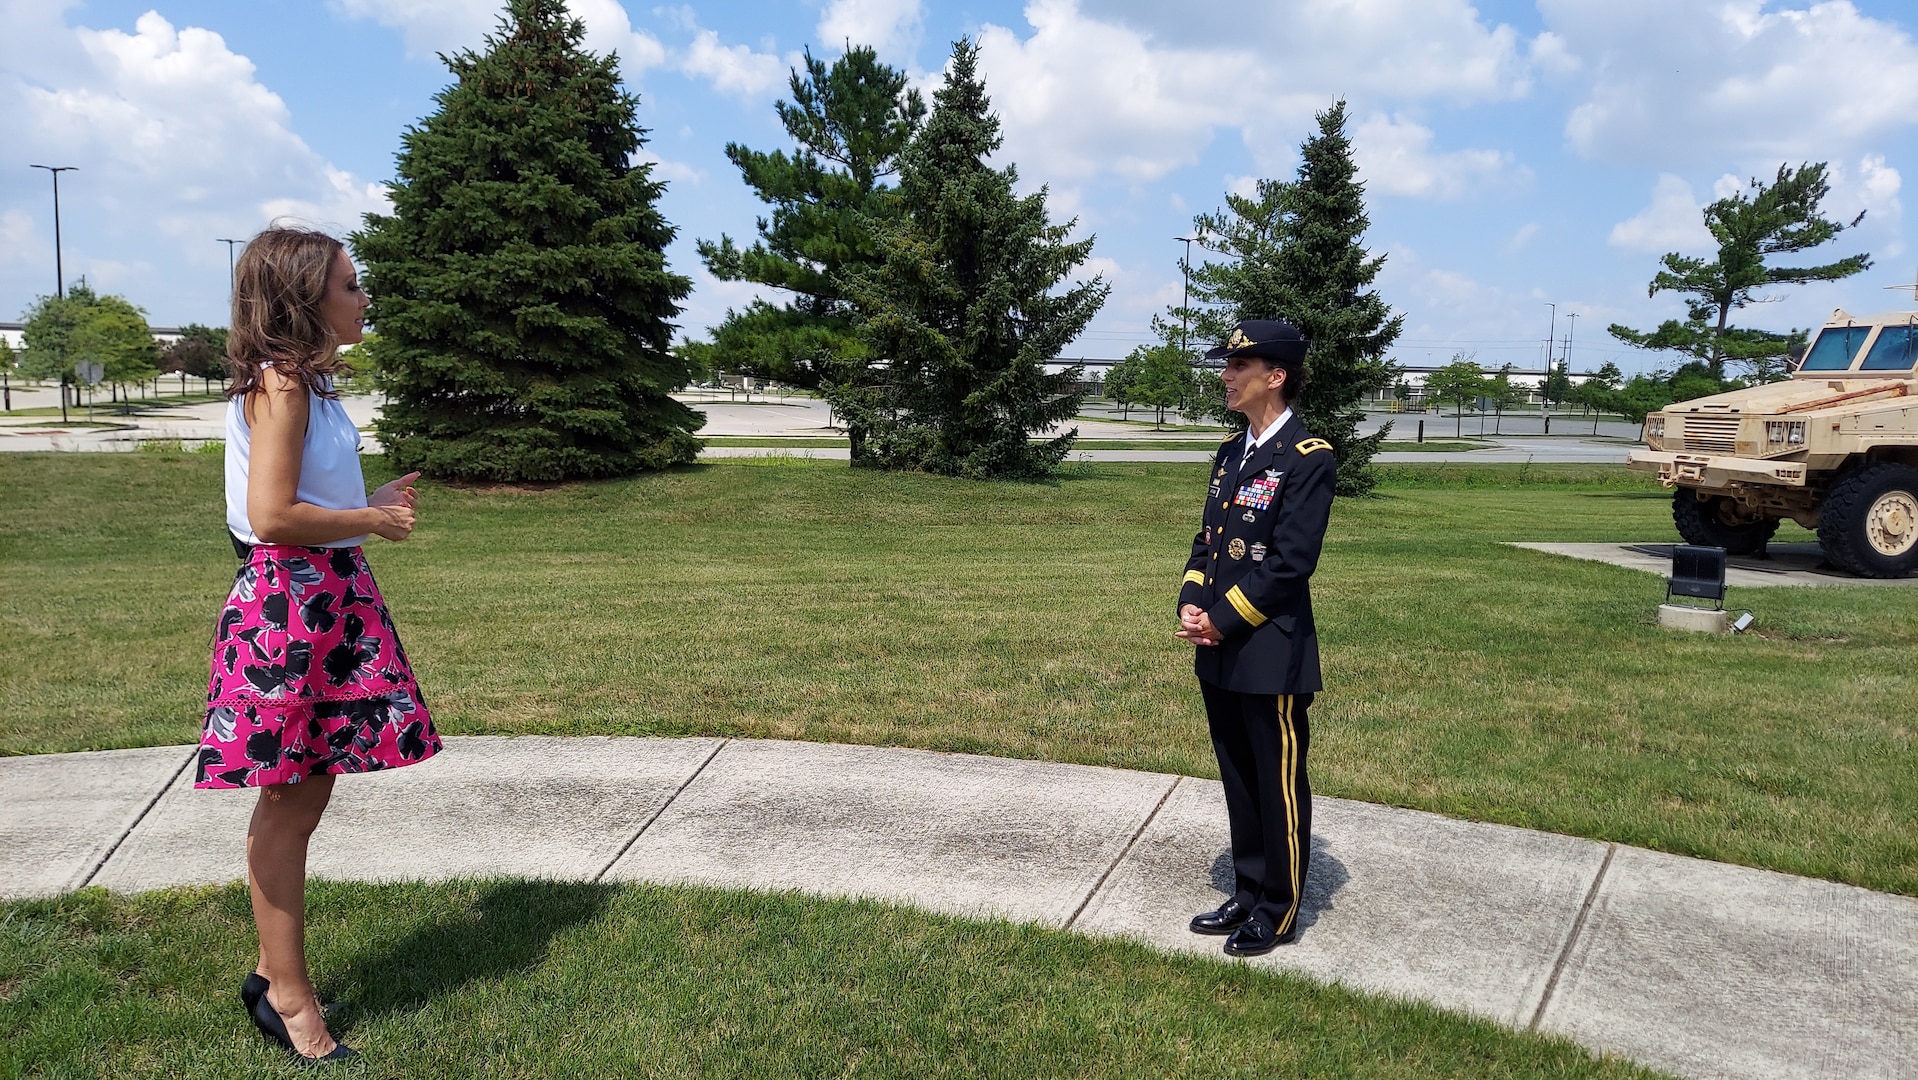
[(1265, 339)]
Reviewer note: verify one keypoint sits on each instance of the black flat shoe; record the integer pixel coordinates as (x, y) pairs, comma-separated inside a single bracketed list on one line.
[(1229, 917), (1256, 939), (273, 1026)]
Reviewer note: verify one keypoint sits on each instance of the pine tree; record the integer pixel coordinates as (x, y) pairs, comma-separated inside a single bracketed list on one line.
[(1783, 217), (1297, 253), (966, 306), (520, 285), (849, 123)]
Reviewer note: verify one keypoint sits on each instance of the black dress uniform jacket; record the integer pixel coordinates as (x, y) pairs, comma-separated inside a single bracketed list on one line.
[(1264, 525)]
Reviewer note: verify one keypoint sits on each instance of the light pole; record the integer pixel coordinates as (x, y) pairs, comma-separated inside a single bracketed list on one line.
[(59, 271), (229, 258), (1551, 336), (1573, 317), (1185, 295)]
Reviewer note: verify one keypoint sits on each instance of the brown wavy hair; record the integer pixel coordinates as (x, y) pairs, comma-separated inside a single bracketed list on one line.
[(279, 283)]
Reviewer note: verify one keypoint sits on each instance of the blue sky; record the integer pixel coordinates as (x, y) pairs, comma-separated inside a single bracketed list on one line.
[(1516, 154)]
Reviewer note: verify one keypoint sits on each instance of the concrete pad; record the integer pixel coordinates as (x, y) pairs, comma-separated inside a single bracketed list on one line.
[(61, 813), (1695, 620), (950, 832), (1463, 915), (1710, 970), (533, 806), (1787, 564)]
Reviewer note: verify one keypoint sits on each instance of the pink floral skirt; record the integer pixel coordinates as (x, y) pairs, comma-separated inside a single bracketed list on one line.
[(308, 675)]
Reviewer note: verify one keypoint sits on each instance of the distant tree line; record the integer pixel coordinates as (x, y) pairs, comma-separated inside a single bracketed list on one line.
[(63, 334)]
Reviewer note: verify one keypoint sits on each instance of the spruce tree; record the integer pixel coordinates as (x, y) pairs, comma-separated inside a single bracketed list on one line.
[(966, 306), (520, 284), (849, 123), (1297, 253)]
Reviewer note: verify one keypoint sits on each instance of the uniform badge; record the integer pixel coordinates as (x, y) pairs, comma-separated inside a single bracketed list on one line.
[(1258, 552), (1208, 535), (1237, 548), (1274, 474), (1248, 517)]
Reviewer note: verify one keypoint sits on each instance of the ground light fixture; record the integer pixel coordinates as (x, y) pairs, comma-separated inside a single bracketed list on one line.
[(1743, 623)]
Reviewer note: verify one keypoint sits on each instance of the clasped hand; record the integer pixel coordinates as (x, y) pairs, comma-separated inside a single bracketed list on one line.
[(396, 501), (1196, 626)]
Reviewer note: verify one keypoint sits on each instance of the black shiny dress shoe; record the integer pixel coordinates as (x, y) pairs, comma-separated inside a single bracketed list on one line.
[(268, 1020), (1256, 939), (1229, 917)]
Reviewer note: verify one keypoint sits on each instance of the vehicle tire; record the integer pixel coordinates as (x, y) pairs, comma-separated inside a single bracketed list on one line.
[(1716, 521), (1869, 522)]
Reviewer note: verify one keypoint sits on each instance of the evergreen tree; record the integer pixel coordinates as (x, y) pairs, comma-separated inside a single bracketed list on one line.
[(849, 122), (1779, 218), (520, 284), (1295, 252), (966, 307)]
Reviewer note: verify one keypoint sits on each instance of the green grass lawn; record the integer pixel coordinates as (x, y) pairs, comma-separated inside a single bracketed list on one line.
[(537, 979), (782, 598)]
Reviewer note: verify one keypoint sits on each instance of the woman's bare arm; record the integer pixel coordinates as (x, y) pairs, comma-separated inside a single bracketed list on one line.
[(277, 413)]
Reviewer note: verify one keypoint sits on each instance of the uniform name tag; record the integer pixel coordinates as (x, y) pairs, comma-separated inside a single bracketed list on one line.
[(1258, 494)]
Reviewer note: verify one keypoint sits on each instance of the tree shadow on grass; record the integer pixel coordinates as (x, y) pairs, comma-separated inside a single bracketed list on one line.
[(505, 931), (1323, 880)]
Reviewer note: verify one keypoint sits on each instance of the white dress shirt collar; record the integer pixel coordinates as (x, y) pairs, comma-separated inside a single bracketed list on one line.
[(1252, 444)]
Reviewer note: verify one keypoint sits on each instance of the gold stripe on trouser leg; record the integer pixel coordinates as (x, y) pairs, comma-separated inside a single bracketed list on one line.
[(1288, 737)]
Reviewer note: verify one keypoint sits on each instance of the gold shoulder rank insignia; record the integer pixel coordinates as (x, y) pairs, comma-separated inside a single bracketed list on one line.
[(1232, 436), (1308, 446)]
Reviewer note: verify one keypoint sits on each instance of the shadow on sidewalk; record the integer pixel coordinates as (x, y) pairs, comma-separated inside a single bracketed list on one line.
[(1323, 880), (504, 932)]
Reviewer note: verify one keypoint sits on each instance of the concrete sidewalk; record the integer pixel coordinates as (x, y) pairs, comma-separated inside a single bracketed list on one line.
[(1702, 969)]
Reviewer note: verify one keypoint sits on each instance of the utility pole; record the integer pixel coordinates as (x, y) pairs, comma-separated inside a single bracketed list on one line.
[(59, 271), (1573, 317), (1185, 296), (229, 258), (1551, 335)]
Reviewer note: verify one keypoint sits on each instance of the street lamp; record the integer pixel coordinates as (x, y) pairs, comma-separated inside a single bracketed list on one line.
[(59, 271), (1568, 339), (229, 258), (1185, 295)]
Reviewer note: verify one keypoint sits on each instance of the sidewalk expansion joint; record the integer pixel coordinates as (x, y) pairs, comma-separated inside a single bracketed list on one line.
[(141, 816), (1123, 852), (1571, 939), (648, 823)]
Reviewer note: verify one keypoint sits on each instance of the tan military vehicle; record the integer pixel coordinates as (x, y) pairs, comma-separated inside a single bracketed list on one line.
[(1834, 448)]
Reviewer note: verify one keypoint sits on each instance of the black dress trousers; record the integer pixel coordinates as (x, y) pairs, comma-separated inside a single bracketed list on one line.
[(1262, 741)]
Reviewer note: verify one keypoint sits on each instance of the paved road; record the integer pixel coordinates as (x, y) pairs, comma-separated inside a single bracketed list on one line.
[(796, 417), (1699, 968)]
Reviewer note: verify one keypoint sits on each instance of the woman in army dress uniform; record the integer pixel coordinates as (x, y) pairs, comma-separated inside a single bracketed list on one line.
[(1246, 603)]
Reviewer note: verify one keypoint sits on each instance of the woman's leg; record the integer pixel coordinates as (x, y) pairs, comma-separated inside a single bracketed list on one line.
[(283, 821)]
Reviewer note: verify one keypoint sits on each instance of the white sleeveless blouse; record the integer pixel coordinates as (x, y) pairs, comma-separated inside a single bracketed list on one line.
[(330, 474)]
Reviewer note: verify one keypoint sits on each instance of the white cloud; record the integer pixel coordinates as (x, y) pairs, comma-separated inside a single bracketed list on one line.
[(1522, 238), (1679, 83), (732, 69), (1673, 221), (1395, 158), (1375, 51), (892, 27), (20, 241), (446, 26), (1138, 89), (675, 171), (179, 142)]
